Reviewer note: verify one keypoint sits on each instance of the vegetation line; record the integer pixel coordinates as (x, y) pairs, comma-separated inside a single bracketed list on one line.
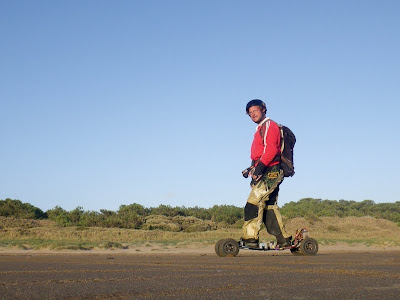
[(191, 219)]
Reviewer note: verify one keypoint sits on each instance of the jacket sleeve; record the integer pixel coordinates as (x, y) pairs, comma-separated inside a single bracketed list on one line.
[(271, 143)]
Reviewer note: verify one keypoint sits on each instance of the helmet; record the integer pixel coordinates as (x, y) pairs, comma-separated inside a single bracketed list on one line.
[(255, 102)]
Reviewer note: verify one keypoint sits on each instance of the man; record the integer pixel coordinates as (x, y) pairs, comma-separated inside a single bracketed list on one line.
[(266, 177)]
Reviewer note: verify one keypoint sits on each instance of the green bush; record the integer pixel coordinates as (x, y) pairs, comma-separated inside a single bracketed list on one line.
[(342, 208), (17, 209), (193, 224), (136, 216), (226, 213), (160, 222)]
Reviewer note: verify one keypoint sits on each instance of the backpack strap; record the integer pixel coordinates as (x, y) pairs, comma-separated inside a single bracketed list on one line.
[(263, 132), (282, 138)]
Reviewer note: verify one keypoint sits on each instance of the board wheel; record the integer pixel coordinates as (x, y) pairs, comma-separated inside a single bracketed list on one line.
[(227, 247), (217, 247), (308, 246)]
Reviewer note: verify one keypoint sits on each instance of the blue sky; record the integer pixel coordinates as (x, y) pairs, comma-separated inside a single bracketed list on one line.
[(105, 103)]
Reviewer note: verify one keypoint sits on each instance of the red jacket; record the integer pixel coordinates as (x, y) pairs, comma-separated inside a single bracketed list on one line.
[(266, 145)]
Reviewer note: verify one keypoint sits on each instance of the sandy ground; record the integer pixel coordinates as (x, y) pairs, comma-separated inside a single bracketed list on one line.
[(198, 273), (193, 249)]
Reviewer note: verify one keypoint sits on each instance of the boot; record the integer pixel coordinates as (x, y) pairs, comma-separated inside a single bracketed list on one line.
[(251, 243), (283, 242)]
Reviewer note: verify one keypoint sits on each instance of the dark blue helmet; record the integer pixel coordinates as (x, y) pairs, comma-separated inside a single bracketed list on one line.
[(255, 102)]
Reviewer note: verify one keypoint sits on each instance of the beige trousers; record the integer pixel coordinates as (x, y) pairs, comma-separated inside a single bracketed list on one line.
[(262, 204)]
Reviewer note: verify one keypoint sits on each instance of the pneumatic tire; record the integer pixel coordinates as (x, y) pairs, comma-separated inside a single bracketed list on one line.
[(217, 247), (227, 248), (308, 246)]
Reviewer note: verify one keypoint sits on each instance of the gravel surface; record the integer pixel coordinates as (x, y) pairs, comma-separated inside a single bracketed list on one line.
[(331, 274)]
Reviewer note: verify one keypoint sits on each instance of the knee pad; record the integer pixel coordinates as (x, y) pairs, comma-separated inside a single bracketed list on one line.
[(271, 223), (250, 211)]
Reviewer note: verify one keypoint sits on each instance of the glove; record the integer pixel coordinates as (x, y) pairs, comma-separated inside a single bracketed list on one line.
[(258, 173), (248, 171)]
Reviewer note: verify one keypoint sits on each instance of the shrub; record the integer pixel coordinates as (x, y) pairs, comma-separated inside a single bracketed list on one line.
[(226, 213), (166, 210), (160, 222), (193, 224), (17, 209)]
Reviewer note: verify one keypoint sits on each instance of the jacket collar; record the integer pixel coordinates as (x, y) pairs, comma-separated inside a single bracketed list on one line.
[(262, 122)]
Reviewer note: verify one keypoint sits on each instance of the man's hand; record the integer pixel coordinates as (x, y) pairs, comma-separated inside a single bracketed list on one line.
[(258, 173), (248, 172)]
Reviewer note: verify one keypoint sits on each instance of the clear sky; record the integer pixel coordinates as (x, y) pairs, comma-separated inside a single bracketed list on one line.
[(105, 103)]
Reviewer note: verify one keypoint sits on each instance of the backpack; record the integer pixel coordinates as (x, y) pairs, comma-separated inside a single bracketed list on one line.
[(288, 139)]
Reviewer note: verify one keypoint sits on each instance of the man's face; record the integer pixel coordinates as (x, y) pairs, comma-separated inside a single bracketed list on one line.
[(256, 113)]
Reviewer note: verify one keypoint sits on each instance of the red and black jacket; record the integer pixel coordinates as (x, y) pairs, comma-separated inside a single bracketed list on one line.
[(266, 144)]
